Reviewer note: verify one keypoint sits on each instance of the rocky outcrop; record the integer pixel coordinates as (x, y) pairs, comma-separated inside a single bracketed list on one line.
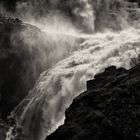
[(20, 62), (109, 109)]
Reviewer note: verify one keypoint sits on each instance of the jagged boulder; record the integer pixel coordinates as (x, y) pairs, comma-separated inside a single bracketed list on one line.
[(108, 110)]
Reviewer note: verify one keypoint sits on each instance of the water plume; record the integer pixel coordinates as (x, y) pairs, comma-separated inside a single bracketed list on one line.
[(42, 111), (85, 15)]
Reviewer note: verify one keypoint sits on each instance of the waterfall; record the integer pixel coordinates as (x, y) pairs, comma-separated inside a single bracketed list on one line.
[(43, 110), (102, 35)]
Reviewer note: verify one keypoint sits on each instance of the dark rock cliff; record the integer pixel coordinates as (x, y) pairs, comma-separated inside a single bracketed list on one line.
[(108, 110), (20, 62)]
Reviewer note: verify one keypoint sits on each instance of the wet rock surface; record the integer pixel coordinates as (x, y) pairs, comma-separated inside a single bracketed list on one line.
[(108, 110)]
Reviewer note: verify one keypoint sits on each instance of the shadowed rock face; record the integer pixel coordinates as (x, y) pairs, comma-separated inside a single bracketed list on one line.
[(108, 110), (19, 64), (25, 52)]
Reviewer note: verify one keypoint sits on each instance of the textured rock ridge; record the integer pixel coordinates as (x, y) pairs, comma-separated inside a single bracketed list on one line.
[(109, 109)]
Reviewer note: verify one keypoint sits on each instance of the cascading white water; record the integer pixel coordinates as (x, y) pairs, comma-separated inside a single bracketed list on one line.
[(9, 135), (42, 111), (71, 63)]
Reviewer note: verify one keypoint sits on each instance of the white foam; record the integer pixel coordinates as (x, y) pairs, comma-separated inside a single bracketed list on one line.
[(42, 111)]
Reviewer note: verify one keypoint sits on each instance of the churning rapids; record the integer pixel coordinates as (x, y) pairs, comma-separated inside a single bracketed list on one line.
[(43, 110)]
